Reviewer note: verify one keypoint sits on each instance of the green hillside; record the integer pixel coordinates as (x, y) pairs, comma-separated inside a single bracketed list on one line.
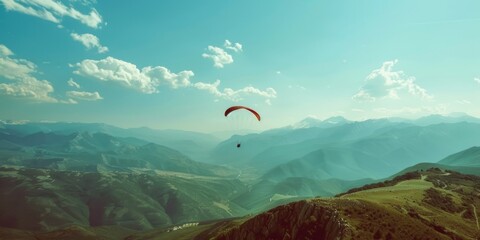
[(36, 199), (421, 205)]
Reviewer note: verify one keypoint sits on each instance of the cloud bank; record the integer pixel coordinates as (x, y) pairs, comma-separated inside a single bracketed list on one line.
[(235, 95), (386, 83), (145, 80), (52, 11), (22, 82), (149, 79)]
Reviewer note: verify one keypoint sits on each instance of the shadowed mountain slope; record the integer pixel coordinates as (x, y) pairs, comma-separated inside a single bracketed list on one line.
[(36, 199)]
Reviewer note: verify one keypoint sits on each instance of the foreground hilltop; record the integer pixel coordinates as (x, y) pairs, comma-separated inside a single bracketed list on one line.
[(429, 204)]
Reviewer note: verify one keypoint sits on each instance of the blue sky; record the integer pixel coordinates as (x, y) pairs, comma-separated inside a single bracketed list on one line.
[(180, 64)]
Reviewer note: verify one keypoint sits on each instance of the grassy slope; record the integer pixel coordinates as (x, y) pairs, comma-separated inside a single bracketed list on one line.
[(396, 206), (425, 166), (37, 199), (438, 205)]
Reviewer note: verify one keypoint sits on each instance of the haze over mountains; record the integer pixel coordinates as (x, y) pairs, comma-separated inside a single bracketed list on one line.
[(54, 175)]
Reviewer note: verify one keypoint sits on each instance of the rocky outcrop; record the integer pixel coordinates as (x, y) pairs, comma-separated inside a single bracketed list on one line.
[(299, 220)]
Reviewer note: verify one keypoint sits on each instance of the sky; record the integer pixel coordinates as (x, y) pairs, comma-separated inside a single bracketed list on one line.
[(175, 64)]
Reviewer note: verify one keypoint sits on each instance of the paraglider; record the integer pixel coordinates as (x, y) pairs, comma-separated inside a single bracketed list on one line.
[(235, 108)]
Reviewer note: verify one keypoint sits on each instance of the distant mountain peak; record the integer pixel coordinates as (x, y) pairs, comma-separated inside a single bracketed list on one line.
[(336, 119), (14, 122), (448, 118), (458, 114), (310, 122), (306, 123)]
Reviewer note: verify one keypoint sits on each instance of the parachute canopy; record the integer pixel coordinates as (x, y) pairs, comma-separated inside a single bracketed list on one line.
[(234, 108)]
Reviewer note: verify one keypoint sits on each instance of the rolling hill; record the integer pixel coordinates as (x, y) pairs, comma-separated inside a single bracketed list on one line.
[(85, 151), (39, 199), (431, 204), (467, 158)]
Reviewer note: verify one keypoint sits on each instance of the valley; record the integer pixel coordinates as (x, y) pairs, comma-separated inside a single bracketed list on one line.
[(87, 183)]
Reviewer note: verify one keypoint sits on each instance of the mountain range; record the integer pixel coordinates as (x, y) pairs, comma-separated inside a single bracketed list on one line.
[(85, 151), (90, 179), (193, 144)]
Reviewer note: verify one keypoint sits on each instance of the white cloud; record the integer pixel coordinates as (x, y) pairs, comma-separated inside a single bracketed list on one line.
[(219, 56), (149, 79), (86, 96), (23, 84), (72, 83), (235, 95), (476, 79), (52, 11), (4, 51), (236, 47), (385, 83), (89, 41), (163, 75), (145, 80), (84, 2)]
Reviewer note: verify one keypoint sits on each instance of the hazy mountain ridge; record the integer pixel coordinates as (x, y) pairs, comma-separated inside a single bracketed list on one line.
[(293, 185), (96, 152), (277, 146), (466, 162), (385, 152), (468, 158), (193, 144), (286, 144), (341, 159)]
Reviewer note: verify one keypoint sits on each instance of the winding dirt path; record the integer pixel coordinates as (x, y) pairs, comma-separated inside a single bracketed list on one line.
[(476, 217)]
